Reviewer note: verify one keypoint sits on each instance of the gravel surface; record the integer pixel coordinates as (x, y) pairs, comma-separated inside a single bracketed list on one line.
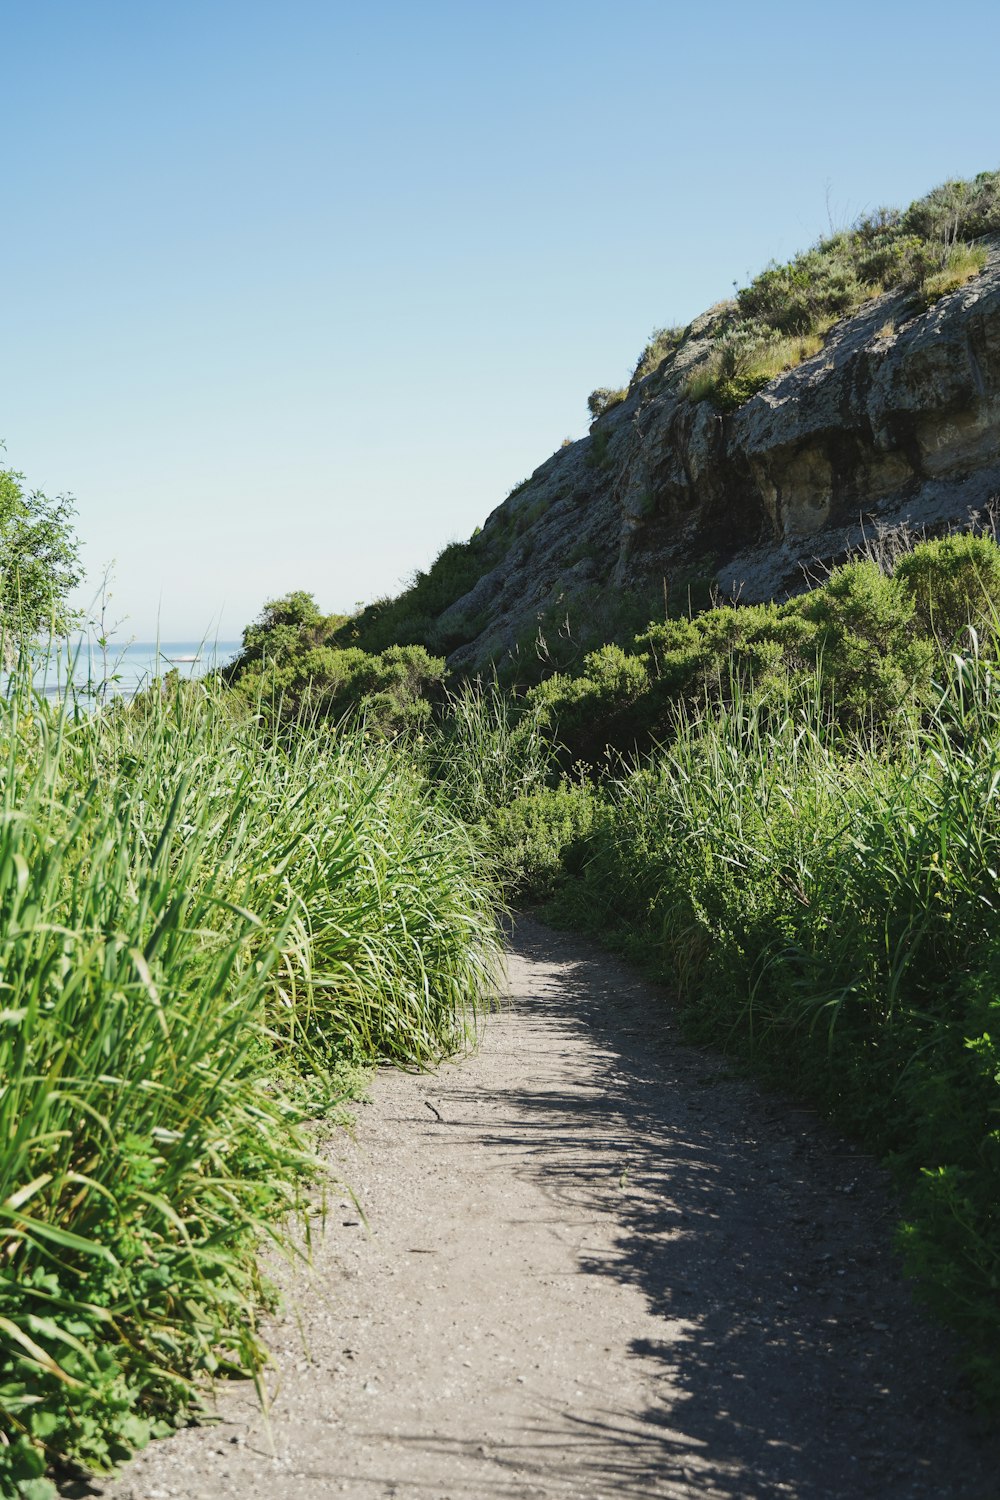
[(591, 1262)]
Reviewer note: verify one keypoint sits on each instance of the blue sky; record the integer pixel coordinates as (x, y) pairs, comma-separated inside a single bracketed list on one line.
[(294, 294)]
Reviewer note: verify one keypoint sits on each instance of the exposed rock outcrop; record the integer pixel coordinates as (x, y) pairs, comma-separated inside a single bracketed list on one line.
[(895, 421)]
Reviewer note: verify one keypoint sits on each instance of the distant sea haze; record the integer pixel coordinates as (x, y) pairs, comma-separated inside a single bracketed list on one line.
[(125, 670)]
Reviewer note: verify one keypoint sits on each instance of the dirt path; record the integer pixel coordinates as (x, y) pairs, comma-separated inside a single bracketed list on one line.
[(597, 1266)]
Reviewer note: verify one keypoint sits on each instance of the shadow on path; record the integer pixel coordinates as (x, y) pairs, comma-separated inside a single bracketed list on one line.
[(792, 1360)]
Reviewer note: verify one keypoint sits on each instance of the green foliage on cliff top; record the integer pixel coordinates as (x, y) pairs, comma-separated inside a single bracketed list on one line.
[(927, 250), (782, 316)]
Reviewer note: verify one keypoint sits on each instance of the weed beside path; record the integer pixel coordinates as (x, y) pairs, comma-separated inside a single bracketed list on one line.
[(598, 1264)]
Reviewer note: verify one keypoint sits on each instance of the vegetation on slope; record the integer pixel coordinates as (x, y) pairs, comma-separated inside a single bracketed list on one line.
[(782, 317), (291, 668), (868, 639)]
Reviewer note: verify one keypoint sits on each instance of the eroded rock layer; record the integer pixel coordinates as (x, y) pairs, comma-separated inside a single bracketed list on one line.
[(895, 422)]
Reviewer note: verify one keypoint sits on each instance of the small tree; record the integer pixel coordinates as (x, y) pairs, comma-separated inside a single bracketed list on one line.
[(603, 399), (39, 562), (284, 627)]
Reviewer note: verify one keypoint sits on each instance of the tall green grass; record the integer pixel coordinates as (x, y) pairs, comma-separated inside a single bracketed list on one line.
[(829, 907), (488, 750), (197, 922)]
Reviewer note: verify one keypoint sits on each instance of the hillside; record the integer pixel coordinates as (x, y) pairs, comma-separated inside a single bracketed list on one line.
[(855, 389)]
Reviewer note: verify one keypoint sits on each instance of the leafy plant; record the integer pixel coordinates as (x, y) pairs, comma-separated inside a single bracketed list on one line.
[(867, 639), (39, 562), (539, 840), (603, 399), (199, 922)]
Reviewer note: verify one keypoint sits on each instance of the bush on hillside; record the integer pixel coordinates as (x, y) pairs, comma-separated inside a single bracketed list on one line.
[(539, 840), (662, 343), (391, 692), (818, 284), (292, 667), (866, 639), (411, 618), (871, 665), (603, 399), (955, 584), (283, 627), (956, 210)]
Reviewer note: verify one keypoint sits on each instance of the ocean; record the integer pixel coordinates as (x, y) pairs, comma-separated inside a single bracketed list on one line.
[(125, 669)]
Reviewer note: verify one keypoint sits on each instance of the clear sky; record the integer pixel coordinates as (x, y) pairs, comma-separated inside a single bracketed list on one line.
[(294, 293)]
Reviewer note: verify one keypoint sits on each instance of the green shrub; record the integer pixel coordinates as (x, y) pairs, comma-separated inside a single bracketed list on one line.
[(746, 358), (866, 640), (391, 692), (588, 711), (39, 563), (957, 210), (539, 839), (819, 284), (871, 666), (597, 453), (891, 259), (603, 399), (955, 583), (284, 627), (947, 272)]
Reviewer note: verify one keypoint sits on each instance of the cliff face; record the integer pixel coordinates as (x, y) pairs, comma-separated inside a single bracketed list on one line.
[(895, 422)]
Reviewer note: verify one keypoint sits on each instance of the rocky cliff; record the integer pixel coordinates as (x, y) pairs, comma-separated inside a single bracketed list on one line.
[(896, 421)]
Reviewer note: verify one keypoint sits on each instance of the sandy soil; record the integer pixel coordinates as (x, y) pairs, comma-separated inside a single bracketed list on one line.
[(595, 1264)]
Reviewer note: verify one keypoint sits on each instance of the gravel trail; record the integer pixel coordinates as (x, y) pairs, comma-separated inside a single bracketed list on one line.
[(594, 1264)]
